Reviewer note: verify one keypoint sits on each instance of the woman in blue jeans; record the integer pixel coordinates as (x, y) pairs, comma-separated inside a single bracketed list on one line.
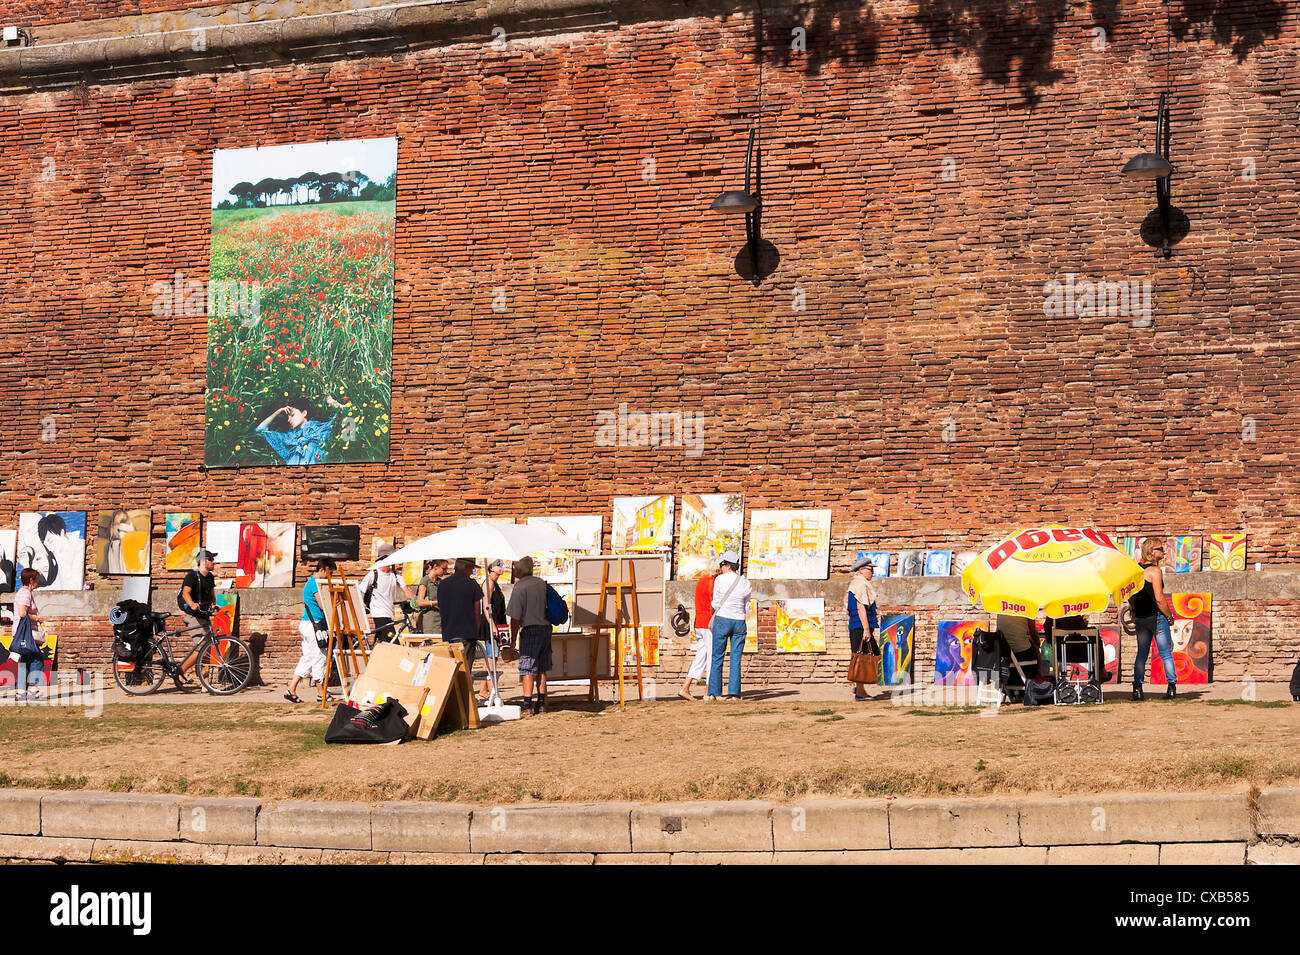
[(731, 594), (31, 669), (1152, 613)]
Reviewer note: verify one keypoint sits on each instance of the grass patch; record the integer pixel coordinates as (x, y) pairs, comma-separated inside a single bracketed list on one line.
[(1053, 719), (826, 712), (831, 719), (945, 711), (1262, 704)]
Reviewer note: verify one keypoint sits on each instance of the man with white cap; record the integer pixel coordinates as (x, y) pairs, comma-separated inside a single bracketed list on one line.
[(383, 590), (860, 601), (731, 593)]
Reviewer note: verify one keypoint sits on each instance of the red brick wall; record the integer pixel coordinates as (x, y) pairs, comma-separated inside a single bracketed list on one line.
[(29, 13), (924, 315)]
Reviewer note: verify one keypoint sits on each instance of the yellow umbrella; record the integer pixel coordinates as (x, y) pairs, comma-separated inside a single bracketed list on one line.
[(1060, 570)]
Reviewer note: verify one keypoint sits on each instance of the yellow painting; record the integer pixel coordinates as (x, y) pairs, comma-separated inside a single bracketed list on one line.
[(712, 524), (801, 625), (122, 546), (647, 641), (642, 525), (1227, 551), (789, 545)]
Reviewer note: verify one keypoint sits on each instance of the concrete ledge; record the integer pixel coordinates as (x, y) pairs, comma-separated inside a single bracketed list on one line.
[(598, 827), (1268, 854), (1169, 829), (1103, 855), (1279, 813), (316, 825), (703, 827), (420, 827), (721, 858), (46, 849), (1203, 853), (831, 824), (20, 811), (97, 815), (1147, 818), (952, 823), (225, 821), (539, 858), (165, 853)]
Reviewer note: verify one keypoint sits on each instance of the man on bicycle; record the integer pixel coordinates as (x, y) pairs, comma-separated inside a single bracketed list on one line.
[(195, 602)]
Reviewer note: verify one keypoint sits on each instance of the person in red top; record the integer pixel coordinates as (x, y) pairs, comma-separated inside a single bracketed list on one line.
[(703, 643)]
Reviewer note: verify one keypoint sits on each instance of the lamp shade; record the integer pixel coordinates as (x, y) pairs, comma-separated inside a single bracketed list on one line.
[(735, 200), (1148, 166)]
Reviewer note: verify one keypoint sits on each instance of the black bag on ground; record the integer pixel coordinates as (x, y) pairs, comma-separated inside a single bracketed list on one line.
[(1039, 692), (1295, 683), (384, 723)]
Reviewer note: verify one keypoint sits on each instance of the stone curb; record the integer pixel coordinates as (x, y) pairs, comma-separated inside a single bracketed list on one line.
[(1171, 829)]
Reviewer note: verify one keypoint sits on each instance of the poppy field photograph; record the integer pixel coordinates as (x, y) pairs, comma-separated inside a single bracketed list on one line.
[(300, 361)]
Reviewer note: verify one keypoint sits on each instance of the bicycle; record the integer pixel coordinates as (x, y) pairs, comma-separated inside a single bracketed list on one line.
[(224, 665)]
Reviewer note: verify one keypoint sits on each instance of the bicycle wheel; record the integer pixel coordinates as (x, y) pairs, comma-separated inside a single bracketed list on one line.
[(139, 676), (225, 666)]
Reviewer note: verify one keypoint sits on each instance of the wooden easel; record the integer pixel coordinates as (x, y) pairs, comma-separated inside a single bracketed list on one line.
[(347, 644), (622, 624)]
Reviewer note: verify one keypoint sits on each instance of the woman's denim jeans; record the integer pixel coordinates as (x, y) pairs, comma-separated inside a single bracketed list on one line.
[(726, 630), (1158, 627), (30, 673)]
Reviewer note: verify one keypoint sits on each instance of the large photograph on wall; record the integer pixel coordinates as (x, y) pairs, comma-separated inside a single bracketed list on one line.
[(300, 304)]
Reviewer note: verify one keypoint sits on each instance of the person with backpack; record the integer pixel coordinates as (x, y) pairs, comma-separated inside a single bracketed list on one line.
[(532, 611), (383, 590), (460, 604), (196, 600), (1151, 614), (312, 628), (731, 593)]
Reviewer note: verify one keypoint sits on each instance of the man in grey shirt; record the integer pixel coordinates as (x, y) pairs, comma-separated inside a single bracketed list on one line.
[(530, 626)]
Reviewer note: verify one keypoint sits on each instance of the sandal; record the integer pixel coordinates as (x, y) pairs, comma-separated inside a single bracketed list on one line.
[(292, 698)]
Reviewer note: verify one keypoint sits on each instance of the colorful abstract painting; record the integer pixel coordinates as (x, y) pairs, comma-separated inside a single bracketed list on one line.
[(266, 554), (1110, 646), (801, 625), (556, 567), (299, 303), (53, 543), (1192, 639), (879, 561), (938, 563), (122, 542), (789, 545), (896, 638), (712, 524), (642, 525), (8, 553), (952, 656), (1227, 551), (225, 617), (751, 628), (182, 530), (1182, 554), (911, 563)]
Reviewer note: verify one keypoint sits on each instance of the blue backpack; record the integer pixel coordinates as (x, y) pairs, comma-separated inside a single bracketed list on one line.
[(557, 611)]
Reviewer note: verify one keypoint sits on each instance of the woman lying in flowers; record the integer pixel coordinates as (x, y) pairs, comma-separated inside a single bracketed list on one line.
[(301, 437)]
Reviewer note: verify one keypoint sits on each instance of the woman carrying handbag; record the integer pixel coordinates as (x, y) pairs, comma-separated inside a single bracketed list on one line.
[(31, 658), (860, 601)]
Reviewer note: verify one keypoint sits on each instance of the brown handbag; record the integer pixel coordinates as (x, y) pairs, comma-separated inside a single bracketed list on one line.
[(864, 666)]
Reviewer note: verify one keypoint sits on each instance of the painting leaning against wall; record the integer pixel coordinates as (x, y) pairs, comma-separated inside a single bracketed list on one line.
[(300, 304)]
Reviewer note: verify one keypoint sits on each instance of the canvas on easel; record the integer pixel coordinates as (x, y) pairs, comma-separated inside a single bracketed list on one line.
[(346, 653), (619, 595)]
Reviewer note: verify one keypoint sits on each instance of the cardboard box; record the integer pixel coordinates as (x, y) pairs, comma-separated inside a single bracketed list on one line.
[(367, 691), (433, 668)]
